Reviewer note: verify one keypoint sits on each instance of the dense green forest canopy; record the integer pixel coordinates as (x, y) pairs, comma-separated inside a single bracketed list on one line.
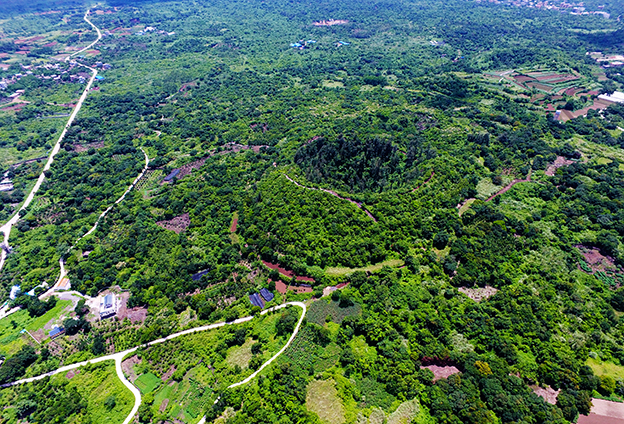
[(386, 159)]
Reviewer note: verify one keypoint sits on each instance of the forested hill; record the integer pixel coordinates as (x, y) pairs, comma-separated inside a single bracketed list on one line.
[(439, 181)]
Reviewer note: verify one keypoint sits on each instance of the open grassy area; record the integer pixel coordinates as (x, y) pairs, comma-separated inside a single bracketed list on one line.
[(240, 355), (606, 368), (322, 398), (466, 206), (147, 382), (10, 338), (338, 270), (97, 384)]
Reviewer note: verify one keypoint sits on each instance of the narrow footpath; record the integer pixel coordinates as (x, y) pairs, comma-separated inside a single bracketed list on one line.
[(119, 356), (6, 228), (333, 193)]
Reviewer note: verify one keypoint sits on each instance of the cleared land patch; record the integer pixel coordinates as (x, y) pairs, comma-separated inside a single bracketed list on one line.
[(322, 398)]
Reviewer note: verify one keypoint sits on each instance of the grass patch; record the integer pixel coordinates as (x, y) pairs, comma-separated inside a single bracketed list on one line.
[(10, 338), (97, 383), (338, 270), (320, 309), (322, 398), (486, 187), (240, 355), (606, 368), (147, 383), (466, 206)]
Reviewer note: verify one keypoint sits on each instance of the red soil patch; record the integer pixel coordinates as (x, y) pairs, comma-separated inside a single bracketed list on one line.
[(177, 224), (134, 315), (548, 394), (234, 225), (599, 104), (283, 288), (166, 376), (558, 163), (163, 406), (286, 272), (604, 412), (598, 419), (523, 78), (79, 148), (70, 374), (595, 259), (127, 367), (441, 372), (539, 86)]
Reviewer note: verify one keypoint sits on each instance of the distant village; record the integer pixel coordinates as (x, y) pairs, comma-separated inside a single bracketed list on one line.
[(561, 6)]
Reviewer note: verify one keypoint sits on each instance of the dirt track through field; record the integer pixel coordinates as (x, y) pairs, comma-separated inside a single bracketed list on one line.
[(510, 185)]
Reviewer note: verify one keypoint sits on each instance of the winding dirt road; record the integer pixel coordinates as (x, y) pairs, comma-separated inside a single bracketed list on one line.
[(6, 228), (119, 356)]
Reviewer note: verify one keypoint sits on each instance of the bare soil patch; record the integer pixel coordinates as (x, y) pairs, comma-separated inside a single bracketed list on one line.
[(79, 148), (71, 373), (133, 314), (598, 419), (127, 367), (558, 163), (548, 394), (234, 225), (163, 406), (607, 409), (286, 272), (595, 259), (177, 224), (330, 22), (166, 376), (441, 372), (480, 293)]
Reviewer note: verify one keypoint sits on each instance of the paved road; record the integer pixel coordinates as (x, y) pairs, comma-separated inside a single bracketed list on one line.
[(63, 273), (6, 228), (119, 356)]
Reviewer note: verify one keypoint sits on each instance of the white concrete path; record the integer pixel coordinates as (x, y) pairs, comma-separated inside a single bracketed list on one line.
[(6, 228), (119, 356)]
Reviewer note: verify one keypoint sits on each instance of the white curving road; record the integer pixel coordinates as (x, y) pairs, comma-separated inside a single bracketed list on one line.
[(6, 228), (119, 356), (63, 273)]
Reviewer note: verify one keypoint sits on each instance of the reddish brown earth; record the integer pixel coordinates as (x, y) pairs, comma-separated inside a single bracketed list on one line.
[(283, 288), (604, 412), (70, 374), (548, 394), (558, 163), (84, 147), (177, 224), (134, 315), (234, 225), (287, 273), (166, 376), (598, 419), (441, 372), (128, 367)]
